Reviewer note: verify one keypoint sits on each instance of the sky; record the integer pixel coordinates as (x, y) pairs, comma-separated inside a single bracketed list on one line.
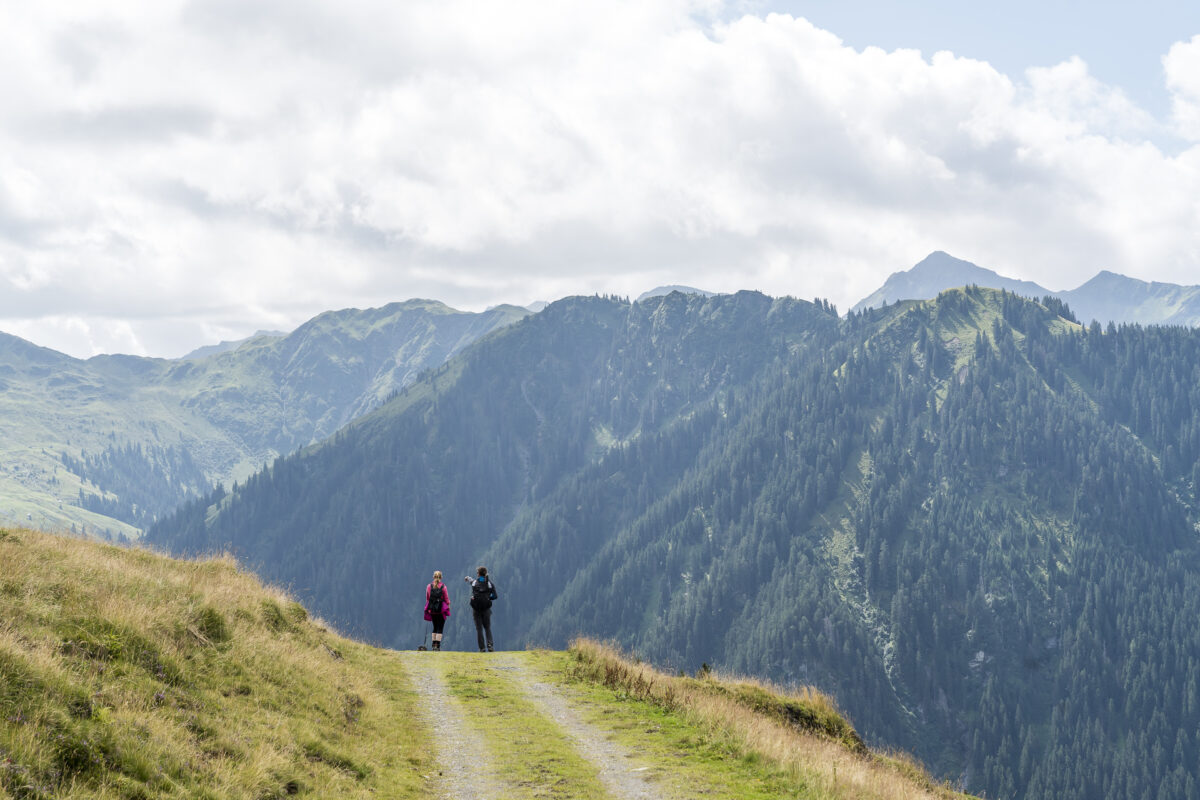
[(177, 173)]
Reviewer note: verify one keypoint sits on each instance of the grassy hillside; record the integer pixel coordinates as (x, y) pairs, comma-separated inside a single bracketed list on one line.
[(787, 743), (127, 674)]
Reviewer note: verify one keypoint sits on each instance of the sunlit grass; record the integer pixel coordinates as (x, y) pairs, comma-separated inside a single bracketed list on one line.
[(126, 674), (794, 742)]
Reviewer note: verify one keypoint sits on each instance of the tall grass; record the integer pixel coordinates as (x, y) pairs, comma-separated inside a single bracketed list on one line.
[(127, 674), (799, 730)]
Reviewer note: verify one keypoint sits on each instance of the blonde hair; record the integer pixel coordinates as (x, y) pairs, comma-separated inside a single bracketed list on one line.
[(437, 575)]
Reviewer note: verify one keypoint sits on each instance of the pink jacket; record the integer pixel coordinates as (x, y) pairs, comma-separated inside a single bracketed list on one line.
[(445, 602)]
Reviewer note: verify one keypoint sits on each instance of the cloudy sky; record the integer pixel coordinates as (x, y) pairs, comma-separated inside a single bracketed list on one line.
[(179, 172)]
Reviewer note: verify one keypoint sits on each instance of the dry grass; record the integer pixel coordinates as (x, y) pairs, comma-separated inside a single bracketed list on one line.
[(800, 731), (127, 674)]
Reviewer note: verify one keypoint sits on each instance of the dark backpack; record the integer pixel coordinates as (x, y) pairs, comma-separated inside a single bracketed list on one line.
[(482, 594), (437, 595)]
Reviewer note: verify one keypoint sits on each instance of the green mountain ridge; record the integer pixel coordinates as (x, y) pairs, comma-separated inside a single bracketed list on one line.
[(971, 520), (225, 346), (110, 443)]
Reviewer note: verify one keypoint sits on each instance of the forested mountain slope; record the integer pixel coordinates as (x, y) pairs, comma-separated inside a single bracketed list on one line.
[(110, 443), (971, 520)]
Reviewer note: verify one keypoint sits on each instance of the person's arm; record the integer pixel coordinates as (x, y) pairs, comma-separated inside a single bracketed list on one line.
[(494, 596)]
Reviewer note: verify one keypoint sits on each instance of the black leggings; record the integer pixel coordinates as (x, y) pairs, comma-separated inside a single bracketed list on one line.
[(439, 622)]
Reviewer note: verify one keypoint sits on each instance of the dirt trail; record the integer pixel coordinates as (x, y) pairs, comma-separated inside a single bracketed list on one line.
[(462, 763), (619, 772)]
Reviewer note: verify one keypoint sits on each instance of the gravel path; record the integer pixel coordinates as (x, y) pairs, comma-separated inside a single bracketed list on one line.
[(463, 771), (618, 772)]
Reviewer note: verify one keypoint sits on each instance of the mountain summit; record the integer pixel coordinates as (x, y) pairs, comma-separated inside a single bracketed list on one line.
[(1108, 297), (1119, 298), (663, 291), (937, 272)]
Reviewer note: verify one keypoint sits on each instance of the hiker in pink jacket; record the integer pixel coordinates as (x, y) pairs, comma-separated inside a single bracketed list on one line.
[(437, 607)]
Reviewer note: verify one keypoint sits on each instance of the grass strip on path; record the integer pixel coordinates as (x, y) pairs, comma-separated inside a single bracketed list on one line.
[(537, 757), (623, 775)]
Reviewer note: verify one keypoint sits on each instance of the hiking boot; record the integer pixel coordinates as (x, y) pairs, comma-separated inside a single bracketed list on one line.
[(490, 648)]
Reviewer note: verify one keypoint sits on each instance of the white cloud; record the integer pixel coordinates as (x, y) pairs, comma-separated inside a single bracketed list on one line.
[(1182, 67), (229, 165)]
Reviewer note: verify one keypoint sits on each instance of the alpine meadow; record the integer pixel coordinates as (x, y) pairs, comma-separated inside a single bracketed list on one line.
[(971, 520)]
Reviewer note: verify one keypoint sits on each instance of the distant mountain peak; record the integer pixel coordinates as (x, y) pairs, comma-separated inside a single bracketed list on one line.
[(661, 291), (1107, 277), (940, 261), (226, 346), (937, 272), (1107, 297)]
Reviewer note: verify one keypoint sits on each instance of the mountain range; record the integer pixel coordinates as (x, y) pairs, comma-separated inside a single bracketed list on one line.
[(1107, 297), (971, 519), (107, 444)]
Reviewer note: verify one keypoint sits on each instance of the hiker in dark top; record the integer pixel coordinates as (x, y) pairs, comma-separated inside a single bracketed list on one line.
[(437, 607), (483, 592)]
